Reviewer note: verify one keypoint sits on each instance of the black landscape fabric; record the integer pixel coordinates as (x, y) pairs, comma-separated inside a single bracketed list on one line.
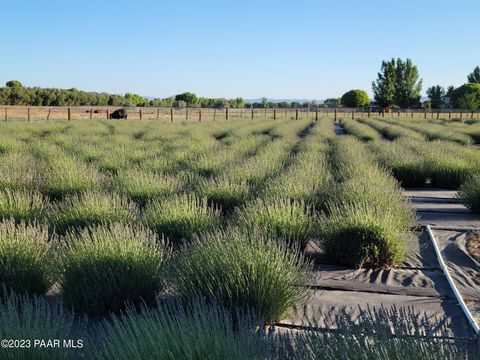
[(418, 287)]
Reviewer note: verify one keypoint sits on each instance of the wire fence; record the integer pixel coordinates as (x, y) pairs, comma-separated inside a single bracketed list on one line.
[(30, 113)]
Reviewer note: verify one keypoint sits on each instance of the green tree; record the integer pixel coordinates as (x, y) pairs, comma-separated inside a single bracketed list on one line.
[(398, 84), (13, 83), (264, 102), (134, 100), (189, 98), (466, 96), (469, 101), (237, 103), (474, 76), (355, 99), (436, 95), (384, 87), (295, 104), (332, 102), (450, 90), (407, 84)]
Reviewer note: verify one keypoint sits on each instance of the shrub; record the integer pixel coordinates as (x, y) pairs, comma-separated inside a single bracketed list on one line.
[(361, 131), (225, 192), (363, 235), (66, 176), (181, 217), (355, 98), (242, 269), (104, 268), (287, 218), (449, 173), (470, 193), (409, 172), (25, 258), (431, 131), (375, 334), (142, 186), (447, 165), (367, 219), (89, 209), (391, 131), (407, 166), (22, 205), (18, 172), (28, 319), (172, 331), (308, 179)]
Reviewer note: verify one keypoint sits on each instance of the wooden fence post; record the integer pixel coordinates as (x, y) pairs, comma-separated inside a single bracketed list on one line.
[(200, 115), (140, 114), (461, 115), (369, 111), (226, 113), (6, 114), (91, 113), (450, 114), (171, 114), (472, 115), (28, 114), (438, 114), (316, 114), (335, 118), (425, 114), (274, 114), (398, 113), (158, 113), (252, 112), (186, 114), (48, 115), (69, 114), (296, 114), (214, 114), (353, 114), (108, 114)]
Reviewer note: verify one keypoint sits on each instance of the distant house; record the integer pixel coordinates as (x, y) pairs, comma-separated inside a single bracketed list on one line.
[(446, 103)]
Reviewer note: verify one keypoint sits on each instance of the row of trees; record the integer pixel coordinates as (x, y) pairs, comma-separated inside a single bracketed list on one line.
[(466, 96), (398, 85), (14, 93)]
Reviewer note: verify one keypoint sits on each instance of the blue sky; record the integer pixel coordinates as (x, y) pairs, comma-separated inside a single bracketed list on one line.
[(278, 49)]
